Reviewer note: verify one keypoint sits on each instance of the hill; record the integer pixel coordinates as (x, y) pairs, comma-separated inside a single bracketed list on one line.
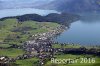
[(63, 18)]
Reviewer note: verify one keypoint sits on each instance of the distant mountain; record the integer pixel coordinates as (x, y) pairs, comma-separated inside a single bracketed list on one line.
[(74, 5)]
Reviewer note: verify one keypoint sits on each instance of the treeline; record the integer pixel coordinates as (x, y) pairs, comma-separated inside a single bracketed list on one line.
[(62, 18)]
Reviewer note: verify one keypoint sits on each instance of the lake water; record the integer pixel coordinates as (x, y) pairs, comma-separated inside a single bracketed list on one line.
[(15, 12), (85, 32)]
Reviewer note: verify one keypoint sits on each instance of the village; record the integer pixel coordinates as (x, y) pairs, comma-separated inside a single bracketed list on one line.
[(41, 46), (36, 47)]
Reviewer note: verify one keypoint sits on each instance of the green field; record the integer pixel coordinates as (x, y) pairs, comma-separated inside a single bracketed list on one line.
[(34, 61), (65, 46), (78, 63), (27, 62), (5, 45), (11, 52)]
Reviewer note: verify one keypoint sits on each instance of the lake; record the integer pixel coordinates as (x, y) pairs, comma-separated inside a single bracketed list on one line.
[(16, 12), (85, 32)]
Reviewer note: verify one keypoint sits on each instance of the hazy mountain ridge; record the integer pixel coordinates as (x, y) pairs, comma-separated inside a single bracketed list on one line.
[(75, 5)]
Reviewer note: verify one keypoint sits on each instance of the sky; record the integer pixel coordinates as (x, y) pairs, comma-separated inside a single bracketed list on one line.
[(24, 0), (21, 3)]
